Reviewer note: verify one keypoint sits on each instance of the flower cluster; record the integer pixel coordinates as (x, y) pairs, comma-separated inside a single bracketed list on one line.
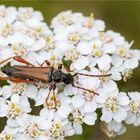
[(82, 45), (23, 33)]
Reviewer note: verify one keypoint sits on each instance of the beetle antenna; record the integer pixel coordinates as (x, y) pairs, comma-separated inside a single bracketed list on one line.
[(91, 75), (84, 89)]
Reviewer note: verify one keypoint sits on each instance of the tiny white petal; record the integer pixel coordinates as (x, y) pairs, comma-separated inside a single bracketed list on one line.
[(120, 115), (104, 61), (123, 99), (15, 98), (80, 63), (90, 118), (90, 106), (78, 101), (106, 116), (78, 128), (64, 110), (84, 48)]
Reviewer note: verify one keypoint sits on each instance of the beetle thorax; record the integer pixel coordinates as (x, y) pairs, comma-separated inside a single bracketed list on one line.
[(59, 76)]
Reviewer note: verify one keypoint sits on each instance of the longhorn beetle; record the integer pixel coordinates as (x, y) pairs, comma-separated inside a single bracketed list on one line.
[(46, 74)]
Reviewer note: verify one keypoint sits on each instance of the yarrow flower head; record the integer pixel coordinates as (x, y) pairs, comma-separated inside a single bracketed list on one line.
[(78, 64)]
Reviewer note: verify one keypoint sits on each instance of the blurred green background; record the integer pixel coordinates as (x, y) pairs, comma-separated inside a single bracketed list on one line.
[(120, 16)]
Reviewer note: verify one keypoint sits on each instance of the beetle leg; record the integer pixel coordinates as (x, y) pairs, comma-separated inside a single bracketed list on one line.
[(21, 60), (47, 62), (52, 87), (4, 78), (16, 80), (47, 104), (6, 60), (18, 59)]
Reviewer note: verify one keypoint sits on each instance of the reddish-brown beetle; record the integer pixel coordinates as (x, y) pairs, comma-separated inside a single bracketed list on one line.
[(45, 74)]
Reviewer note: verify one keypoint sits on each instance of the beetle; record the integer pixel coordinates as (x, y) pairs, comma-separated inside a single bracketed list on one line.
[(46, 74)]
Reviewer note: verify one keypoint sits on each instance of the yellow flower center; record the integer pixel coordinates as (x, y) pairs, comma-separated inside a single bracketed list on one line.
[(125, 53), (34, 32), (88, 95), (33, 130), (135, 107), (76, 116), (50, 42), (18, 88), (14, 111), (97, 52), (127, 74), (112, 104), (56, 130), (74, 38), (6, 136), (105, 38), (66, 21), (7, 30), (72, 54), (55, 61)]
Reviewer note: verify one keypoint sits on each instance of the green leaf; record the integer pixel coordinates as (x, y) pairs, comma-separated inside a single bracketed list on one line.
[(66, 63)]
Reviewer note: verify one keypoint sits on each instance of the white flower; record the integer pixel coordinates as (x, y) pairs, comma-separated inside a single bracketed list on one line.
[(86, 101), (31, 127), (8, 134), (25, 35), (72, 35), (50, 42), (25, 13), (76, 117), (125, 60), (112, 129), (65, 19), (72, 54), (125, 57), (99, 25), (133, 116), (16, 107), (6, 29), (114, 105), (21, 89), (99, 55), (116, 38), (58, 127), (8, 13)]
